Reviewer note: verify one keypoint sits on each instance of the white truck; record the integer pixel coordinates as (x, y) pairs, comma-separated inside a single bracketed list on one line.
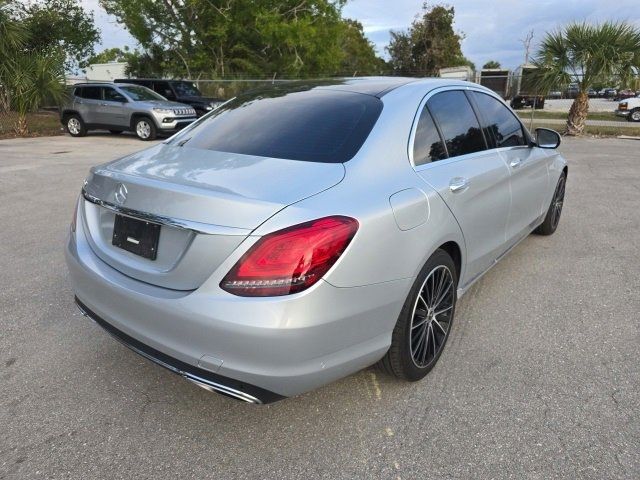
[(629, 108)]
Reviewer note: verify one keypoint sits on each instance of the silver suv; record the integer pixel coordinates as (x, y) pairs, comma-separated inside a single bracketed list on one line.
[(122, 107)]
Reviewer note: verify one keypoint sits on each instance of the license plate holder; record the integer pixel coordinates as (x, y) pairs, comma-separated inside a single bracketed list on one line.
[(136, 236)]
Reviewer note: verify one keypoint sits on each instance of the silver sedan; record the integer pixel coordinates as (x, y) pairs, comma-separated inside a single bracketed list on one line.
[(300, 233)]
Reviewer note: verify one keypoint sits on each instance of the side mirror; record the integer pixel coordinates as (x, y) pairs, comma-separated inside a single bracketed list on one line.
[(547, 138)]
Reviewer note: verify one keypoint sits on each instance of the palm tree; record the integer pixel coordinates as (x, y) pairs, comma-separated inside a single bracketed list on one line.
[(34, 78), (584, 54), (27, 78)]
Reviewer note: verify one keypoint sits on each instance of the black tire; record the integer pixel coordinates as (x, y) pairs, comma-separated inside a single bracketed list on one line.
[(115, 132), (634, 115), (552, 219), (400, 361), (145, 128), (75, 125)]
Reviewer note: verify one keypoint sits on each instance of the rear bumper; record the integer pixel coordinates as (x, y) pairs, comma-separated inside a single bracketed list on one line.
[(203, 378), (274, 347), (622, 113)]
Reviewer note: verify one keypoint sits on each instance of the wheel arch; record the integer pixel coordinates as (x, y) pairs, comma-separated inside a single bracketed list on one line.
[(138, 115), (455, 252), (67, 112)]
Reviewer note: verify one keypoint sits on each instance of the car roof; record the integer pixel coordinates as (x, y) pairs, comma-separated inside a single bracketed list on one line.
[(374, 86), (103, 84)]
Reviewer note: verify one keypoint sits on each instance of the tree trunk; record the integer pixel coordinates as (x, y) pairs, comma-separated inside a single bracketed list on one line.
[(577, 115), (21, 129)]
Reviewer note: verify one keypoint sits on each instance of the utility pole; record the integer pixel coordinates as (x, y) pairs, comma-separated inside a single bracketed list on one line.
[(527, 46)]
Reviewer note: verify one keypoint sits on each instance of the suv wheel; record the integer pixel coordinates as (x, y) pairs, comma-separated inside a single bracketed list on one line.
[(634, 116), (145, 128), (75, 126)]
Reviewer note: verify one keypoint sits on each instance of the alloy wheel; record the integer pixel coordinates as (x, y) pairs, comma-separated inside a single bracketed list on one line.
[(143, 129), (431, 317), (635, 116), (73, 125), (558, 200)]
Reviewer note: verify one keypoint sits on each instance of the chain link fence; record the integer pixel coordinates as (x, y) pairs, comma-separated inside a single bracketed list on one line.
[(536, 108)]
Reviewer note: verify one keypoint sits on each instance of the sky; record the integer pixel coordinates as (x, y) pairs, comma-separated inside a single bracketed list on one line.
[(493, 29)]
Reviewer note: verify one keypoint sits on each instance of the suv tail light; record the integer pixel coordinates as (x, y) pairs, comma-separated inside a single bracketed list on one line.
[(290, 260)]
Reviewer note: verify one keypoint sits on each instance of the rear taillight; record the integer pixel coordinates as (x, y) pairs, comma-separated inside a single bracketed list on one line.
[(622, 106), (292, 259)]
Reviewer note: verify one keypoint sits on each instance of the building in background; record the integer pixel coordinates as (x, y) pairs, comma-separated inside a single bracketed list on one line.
[(106, 72)]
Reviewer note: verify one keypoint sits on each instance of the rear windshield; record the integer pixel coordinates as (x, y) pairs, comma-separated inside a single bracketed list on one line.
[(312, 125)]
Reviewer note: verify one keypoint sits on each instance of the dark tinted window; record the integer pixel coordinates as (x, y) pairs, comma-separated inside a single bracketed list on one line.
[(501, 126), (427, 145), (164, 89), (91, 92), (457, 122), (186, 89), (312, 125), (112, 95)]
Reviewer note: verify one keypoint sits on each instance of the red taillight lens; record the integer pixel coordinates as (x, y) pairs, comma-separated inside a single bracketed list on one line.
[(292, 259)]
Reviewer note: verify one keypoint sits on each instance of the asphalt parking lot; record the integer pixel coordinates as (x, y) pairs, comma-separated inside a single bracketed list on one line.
[(540, 379)]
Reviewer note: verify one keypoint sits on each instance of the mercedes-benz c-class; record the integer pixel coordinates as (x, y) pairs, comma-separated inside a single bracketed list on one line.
[(299, 233)]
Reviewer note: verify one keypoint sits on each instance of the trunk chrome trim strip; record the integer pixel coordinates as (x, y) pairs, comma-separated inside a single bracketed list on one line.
[(197, 227)]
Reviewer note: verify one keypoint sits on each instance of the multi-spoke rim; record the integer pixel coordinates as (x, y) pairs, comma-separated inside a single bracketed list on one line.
[(73, 125), (431, 316), (558, 200), (143, 129), (635, 115)]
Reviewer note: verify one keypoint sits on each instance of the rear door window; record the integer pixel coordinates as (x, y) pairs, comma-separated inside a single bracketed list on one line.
[(164, 89), (427, 143), (93, 93), (313, 125), (458, 122), (500, 125)]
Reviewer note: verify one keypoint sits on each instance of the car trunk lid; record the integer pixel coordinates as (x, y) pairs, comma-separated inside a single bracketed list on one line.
[(206, 201)]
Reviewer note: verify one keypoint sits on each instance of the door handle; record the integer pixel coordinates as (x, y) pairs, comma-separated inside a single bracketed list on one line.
[(458, 184), (515, 163)]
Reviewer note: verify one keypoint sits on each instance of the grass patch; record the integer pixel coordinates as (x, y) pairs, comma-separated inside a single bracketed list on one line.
[(40, 124), (541, 114), (596, 131)]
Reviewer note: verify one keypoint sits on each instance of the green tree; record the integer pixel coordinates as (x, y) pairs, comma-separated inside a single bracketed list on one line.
[(359, 54), (111, 55), (586, 54), (491, 64), (59, 25), (219, 38), (27, 76), (430, 44)]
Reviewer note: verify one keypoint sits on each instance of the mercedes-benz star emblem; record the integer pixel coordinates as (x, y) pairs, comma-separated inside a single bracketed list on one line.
[(121, 194)]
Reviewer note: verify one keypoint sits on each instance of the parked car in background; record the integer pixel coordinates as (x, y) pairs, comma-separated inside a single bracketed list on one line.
[(182, 91), (591, 93), (630, 109), (300, 233), (554, 94), (523, 89), (622, 94), (610, 92), (107, 106)]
